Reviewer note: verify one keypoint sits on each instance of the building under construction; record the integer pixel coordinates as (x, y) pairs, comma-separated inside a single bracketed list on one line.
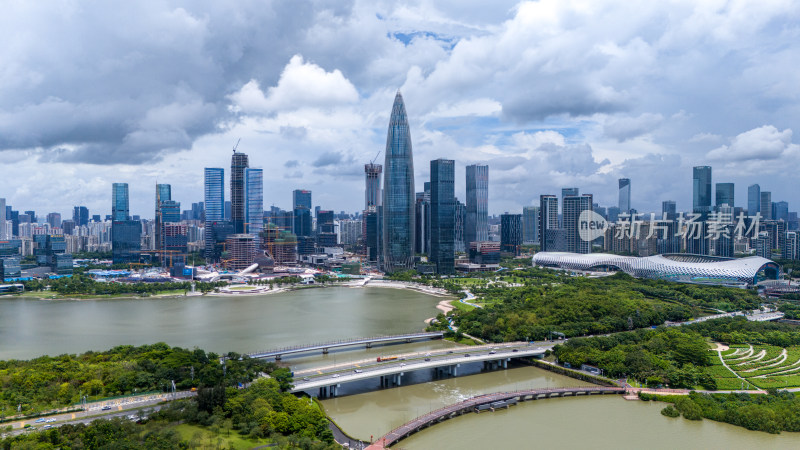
[(279, 244)]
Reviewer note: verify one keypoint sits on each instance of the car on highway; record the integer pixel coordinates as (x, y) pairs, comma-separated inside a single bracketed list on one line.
[(449, 351), (106, 408), (336, 375), (427, 359), (357, 370), (515, 350), (402, 364), (466, 355), (50, 420), (42, 420), (47, 427), (306, 379), (492, 352)]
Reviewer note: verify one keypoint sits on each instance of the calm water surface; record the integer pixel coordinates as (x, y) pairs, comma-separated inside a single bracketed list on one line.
[(245, 323)]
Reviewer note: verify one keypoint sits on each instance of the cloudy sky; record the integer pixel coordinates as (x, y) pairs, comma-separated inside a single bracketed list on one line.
[(550, 94)]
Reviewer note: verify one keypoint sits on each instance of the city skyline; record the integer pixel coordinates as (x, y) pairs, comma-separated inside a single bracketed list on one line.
[(578, 98)]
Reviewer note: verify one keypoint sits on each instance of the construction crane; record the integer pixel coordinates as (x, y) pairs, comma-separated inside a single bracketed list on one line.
[(376, 157), (237, 145)]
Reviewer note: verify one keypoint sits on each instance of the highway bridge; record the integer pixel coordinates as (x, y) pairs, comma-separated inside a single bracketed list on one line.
[(485, 403), (325, 346), (329, 379)]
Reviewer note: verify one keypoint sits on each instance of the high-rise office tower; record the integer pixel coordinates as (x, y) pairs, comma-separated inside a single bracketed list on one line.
[(54, 219), (724, 195), (753, 199), (766, 205), (443, 215), (781, 211), (33, 217), (701, 189), (239, 163), (120, 206), (398, 192), (568, 192), (214, 200), (476, 228), (3, 225), (510, 233), (422, 221), (373, 191), (530, 225), (669, 210), (573, 207), (548, 218), (625, 195), (461, 220), (163, 194), (301, 207), (254, 201)]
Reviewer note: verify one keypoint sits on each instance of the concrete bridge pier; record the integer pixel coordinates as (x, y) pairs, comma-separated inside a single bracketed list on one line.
[(324, 351), (369, 344)]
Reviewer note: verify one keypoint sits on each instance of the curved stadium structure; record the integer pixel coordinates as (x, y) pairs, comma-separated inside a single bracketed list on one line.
[(686, 268)]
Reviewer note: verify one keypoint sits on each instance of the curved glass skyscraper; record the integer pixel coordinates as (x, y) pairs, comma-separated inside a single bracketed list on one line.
[(398, 193)]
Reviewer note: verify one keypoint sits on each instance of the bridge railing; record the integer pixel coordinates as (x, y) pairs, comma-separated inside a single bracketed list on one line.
[(479, 400), (342, 342)]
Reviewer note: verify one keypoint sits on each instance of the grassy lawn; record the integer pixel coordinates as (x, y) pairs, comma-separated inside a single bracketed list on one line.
[(462, 306), (462, 341), (765, 367), (206, 439)]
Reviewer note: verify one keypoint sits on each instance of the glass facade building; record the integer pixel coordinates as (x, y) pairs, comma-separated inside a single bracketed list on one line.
[(548, 219), (254, 193), (239, 163), (574, 206), (125, 241), (766, 205), (120, 207), (443, 215), (476, 228), (625, 195), (80, 215), (701, 189), (724, 195), (301, 206), (510, 233), (530, 225), (214, 202), (753, 199), (398, 192)]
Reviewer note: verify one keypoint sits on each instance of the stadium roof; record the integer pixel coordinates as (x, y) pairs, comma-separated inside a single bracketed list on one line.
[(686, 268)]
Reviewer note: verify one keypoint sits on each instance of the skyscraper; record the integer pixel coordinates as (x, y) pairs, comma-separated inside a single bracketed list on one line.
[(443, 215), (548, 219), (530, 225), (510, 233), (668, 210), (574, 205), (214, 200), (120, 207), (373, 191), (625, 195), (301, 207), (254, 201), (753, 199), (239, 163), (766, 205), (3, 232), (398, 192), (476, 228), (724, 195), (701, 188), (163, 194)]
